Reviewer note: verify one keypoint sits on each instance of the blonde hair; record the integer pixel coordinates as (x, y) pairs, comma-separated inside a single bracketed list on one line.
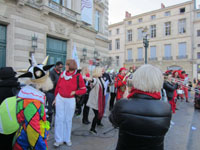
[(84, 71), (97, 72), (148, 78)]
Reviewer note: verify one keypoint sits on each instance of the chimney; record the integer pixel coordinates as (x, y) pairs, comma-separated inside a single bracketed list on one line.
[(162, 6), (127, 14)]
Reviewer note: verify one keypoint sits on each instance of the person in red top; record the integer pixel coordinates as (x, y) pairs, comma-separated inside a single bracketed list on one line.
[(65, 92), (120, 83)]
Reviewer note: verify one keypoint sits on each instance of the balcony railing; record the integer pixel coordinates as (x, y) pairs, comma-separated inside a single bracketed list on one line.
[(153, 59), (63, 11), (182, 57), (129, 60), (168, 58), (140, 59)]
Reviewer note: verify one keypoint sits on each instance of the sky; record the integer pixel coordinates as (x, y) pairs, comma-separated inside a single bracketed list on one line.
[(117, 8)]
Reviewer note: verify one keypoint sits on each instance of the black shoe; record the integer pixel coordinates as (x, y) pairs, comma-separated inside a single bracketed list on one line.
[(177, 109), (100, 125), (85, 122), (93, 131)]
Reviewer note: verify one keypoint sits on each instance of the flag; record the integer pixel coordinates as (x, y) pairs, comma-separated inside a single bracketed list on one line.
[(75, 56)]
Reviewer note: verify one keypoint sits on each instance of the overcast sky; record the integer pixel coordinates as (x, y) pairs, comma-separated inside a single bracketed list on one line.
[(117, 8)]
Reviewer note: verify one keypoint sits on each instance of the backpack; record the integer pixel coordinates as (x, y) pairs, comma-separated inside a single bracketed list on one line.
[(8, 118)]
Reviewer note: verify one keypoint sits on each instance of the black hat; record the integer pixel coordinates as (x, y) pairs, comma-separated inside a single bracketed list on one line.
[(7, 72)]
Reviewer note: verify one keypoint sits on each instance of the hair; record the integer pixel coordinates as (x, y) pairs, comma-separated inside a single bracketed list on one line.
[(97, 72), (183, 72), (84, 71), (148, 78), (72, 64), (58, 63)]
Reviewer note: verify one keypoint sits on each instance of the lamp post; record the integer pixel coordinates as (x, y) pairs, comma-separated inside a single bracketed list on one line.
[(145, 42), (34, 44), (84, 55)]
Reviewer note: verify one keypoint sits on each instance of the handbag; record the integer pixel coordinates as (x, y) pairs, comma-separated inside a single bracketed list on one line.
[(79, 98)]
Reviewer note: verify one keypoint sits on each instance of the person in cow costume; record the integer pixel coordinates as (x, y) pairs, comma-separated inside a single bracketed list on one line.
[(31, 115)]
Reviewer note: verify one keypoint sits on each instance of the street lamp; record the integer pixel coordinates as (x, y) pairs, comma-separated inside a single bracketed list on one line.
[(34, 40), (145, 41), (84, 55)]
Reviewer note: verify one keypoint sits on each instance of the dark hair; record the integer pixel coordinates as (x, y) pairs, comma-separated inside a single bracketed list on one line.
[(58, 63), (72, 64), (183, 72)]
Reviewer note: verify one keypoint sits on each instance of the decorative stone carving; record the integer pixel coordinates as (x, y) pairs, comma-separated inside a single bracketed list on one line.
[(60, 28)]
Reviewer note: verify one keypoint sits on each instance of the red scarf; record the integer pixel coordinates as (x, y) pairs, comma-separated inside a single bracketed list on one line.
[(155, 95), (101, 103)]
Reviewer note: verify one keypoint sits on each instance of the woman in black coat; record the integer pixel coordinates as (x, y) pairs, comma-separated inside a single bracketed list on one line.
[(8, 88), (143, 119)]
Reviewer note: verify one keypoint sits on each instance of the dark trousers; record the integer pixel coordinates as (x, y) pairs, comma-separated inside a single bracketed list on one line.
[(95, 120), (112, 100), (86, 109), (50, 98), (6, 141)]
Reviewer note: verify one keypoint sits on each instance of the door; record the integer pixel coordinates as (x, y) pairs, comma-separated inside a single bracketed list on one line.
[(56, 49), (2, 46)]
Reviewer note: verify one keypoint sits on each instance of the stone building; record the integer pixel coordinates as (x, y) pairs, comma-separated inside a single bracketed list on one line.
[(54, 28), (172, 33)]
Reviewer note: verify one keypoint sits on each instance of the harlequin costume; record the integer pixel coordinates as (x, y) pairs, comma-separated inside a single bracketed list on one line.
[(31, 115)]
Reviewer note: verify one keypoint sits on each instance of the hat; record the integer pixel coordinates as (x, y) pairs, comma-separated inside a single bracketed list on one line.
[(36, 71), (121, 69), (7, 72)]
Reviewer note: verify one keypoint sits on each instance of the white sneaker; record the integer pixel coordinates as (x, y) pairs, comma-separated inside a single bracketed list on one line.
[(69, 143), (57, 144)]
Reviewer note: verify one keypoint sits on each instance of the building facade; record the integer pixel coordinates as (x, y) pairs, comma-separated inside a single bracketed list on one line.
[(172, 33), (54, 28)]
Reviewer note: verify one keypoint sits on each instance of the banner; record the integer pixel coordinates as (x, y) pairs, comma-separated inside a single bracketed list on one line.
[(75, 56), (87, 11)]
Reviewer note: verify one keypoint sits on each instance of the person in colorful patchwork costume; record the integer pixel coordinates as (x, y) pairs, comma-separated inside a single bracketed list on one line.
[(31, 114)]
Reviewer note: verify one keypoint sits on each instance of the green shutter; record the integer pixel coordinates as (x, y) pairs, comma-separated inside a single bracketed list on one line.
[(2, 46), (56, 49)]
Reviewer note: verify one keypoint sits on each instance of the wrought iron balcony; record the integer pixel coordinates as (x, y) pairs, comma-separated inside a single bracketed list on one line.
[(153, 59), (128, 60), (168, 58), (182, 57), (140, 59)]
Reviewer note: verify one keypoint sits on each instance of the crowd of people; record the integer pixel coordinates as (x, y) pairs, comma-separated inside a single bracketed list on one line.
[(141, 102)]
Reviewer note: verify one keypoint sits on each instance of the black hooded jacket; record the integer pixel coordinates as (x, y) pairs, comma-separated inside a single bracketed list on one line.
[(8, 88), (143, 122), (170, 88)]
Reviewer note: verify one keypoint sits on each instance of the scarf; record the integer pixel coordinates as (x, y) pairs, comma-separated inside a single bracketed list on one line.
[(155, 95)]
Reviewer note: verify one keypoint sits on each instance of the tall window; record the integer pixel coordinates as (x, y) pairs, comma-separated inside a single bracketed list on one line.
[(140, 53), (59, 1), (182, 26), (153, 31), (182, 10), (129, 35), (117, 44), (198, 15), (110, 45), (117, 31), (167, 28), (110, 32), (117, 60), (167, 13), (182, 50), (153, 52), (198, 55), (153, 17), (129, 54), (167, 50), (129, 22), (140, 20), (97, 20), (139, 33), (198, 32)]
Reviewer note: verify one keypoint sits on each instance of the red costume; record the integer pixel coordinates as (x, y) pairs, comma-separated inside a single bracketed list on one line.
[(65, 87), (120, 85)]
